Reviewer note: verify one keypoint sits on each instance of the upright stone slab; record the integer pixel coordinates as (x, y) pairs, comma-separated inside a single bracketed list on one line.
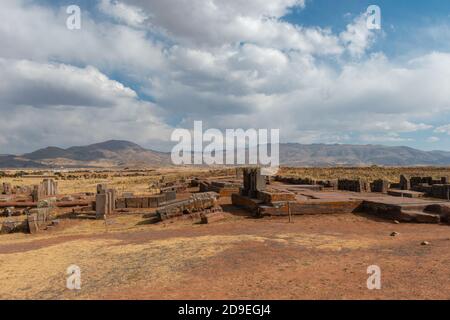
[(55, 188), (254, 182), (7, 188), (101, 188), (49, 187), (109, 207), (36, 194), (405, 183), (101, 205), (32, 221), (380, 186), (46, 187), (113, 198), (260, 180)]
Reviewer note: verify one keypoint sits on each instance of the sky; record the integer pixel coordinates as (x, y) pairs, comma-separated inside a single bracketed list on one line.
[(138, 69)]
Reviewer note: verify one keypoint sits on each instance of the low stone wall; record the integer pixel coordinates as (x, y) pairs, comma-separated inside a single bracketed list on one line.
[(380, 186), (141, 202), (358, 185), (440, 191), (315, 208), (308, 181)]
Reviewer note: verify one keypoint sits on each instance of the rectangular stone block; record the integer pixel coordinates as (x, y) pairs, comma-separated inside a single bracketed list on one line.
[(153, 202), (32, 221), (405, 183), (101, 188), (134, 202), (170, 195), (381, 186), (120, 203), (101, 205)]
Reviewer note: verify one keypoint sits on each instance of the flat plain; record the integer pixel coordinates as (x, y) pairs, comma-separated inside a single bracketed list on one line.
[(240, 257)]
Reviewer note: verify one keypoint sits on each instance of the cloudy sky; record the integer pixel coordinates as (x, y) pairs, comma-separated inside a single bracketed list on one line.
[(137, 69)]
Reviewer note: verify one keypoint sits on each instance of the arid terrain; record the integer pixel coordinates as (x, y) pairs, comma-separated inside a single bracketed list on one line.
[(240, 257)]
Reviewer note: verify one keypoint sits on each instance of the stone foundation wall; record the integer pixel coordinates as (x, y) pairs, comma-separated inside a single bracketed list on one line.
[(353, 185), (380, 186)]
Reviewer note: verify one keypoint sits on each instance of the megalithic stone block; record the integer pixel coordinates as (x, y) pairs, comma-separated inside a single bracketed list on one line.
[(380, 185), (405, 183), (32, 220), (113, 198), (109, 207), (55, 188), (36, 195), (7, 188), (101, 205), (101, 188)]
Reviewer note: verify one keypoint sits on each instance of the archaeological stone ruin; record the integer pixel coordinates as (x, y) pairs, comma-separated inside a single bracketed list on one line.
[(34, 208)]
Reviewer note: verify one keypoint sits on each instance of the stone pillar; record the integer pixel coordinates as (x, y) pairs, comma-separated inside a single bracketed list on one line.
[(50, 187), (32, 221), (101, 205), (109, 206), (113, 198), (7, 188), (405, 183), (101, 188), (36, 194), (260, 180), (46, 187)]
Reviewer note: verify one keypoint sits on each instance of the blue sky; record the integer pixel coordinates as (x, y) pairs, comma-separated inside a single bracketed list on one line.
[(143, 68), (403, 21)]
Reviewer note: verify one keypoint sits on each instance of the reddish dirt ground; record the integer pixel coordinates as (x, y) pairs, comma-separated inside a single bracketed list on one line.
[(315, 257), (271, 270)]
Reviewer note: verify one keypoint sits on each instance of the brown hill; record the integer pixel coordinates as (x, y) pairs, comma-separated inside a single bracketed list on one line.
[(117, 153)]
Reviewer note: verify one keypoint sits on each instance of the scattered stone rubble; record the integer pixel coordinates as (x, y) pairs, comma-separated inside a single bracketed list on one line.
[(291, 196), (198, 207), (38, 219)]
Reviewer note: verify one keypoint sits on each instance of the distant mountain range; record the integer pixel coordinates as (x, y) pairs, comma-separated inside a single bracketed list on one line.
[(294, 154), (116, 153), (112, 153)]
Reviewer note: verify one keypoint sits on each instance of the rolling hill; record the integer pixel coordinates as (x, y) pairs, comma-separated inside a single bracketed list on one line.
[(113, 153), (116, 153), (324, 155)]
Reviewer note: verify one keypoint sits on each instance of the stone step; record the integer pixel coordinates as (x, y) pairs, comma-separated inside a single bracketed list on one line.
[(405, 193), (418, 216)]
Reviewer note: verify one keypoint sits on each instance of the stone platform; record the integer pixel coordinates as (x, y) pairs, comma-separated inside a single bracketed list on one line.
[(307, 200)]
